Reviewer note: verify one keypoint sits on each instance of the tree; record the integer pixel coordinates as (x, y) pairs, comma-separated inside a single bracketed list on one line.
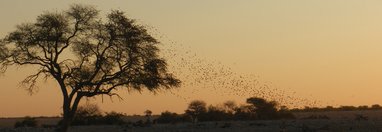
[(148, 116), (230, 106), (87, 56), (264, 109), (195, 109)]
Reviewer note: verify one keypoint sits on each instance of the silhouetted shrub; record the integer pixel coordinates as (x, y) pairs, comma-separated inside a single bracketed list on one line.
[(285, 113), (169, 117), (113, 118), (215, 113), (329, 108), (244, 112), (262, 108), (341, 108), (363, 107), (89, 114), (26, 122), (257, 109), (376, 107), (347, 108)]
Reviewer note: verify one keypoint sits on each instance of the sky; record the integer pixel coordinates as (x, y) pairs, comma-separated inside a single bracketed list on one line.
[(327, 51)]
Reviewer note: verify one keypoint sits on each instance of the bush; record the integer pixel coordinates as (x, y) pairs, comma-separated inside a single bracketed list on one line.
[(26, 122), (243, 113), (264, 109), (113, 118), (169, 117), (89, 114), (376, 107), (215, 114)]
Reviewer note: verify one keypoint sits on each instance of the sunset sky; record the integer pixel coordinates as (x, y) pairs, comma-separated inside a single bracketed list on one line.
[(329, 51)]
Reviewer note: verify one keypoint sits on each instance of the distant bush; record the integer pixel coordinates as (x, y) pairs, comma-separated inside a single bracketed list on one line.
[(215, 113), (341, 108), (26, 122), (91, 115), (112, 118), (347, 108), (285, 113), (268, 110), (256, 109), (376, 107), (170, 117), (262, 108)]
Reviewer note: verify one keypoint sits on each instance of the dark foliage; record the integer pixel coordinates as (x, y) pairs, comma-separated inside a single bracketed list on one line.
[(196, 110), (256, 109), (341, 108), (215, 114), (170, 117), (262, 108), (113, 118), (91, 115), (87, 115), (87, 55), (26, 122)]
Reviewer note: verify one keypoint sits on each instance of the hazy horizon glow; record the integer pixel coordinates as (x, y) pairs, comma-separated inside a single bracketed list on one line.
[(325, 51)]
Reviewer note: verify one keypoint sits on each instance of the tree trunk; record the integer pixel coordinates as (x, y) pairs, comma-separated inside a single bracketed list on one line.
[(64, 124), (69, 113)]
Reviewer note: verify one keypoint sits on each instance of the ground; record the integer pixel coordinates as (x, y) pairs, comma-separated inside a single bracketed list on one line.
[(335, 121)]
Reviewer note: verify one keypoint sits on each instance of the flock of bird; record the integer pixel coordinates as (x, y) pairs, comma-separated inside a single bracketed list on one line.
[(200, 75)]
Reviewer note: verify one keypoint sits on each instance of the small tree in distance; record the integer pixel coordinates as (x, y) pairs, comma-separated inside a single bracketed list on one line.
[(195, 109), (264, 109), (148, 116), (86, 56)]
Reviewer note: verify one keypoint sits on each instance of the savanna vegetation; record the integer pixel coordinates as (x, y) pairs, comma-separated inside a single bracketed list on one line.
[(254, 109)]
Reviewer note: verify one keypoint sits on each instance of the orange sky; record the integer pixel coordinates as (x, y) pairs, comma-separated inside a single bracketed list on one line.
[(327, 51)]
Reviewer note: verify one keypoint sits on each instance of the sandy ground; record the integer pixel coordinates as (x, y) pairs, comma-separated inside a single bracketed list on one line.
[(342, 121)]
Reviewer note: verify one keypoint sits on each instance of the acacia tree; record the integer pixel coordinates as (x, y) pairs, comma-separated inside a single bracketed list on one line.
[(195, 109), (264, 109), (148, 114), (87, 56)]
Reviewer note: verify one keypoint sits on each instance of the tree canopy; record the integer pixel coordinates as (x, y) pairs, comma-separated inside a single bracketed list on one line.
[(87, 55)]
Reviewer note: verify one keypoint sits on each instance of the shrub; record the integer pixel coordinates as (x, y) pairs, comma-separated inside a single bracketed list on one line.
[(26, 122), (89, 114), (264, 109), (376, 107), (215, 113), (169, 117), (113, 118)]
